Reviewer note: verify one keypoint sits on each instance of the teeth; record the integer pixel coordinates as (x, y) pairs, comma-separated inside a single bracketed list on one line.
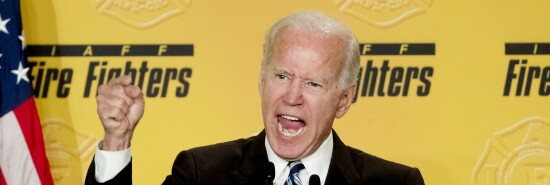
[(290, 132), (290, 118)]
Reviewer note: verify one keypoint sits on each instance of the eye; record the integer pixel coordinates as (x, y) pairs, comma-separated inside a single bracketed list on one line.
[(313, 84), (281, 77)]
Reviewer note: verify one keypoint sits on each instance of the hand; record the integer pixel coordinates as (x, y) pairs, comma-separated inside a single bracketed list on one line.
[(120, 106)]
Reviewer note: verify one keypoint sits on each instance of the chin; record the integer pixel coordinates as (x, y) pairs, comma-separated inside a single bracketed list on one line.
[(288, 151), (288, 155)]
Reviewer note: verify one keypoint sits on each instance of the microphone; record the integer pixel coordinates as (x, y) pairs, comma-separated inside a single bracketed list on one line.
[(314, 180), (269, 170)]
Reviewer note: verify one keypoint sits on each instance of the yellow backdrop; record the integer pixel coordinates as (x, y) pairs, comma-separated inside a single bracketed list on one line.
[(440, 100)]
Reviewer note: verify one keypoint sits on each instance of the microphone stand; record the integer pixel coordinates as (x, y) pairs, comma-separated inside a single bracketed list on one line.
[(269, 173), (314, 180)]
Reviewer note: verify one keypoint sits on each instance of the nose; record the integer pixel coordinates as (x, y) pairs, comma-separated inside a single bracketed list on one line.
[(294, 93)]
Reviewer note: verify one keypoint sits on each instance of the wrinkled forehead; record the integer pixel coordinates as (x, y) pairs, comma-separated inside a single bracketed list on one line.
[(321, 53), (328, 46), (289, 33)]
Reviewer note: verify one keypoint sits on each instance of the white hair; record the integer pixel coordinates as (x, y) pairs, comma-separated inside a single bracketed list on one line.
[(319, 23)]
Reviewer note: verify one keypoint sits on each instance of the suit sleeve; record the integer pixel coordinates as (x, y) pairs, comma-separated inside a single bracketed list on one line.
[(414, 177), (124, 177), (183, 173)]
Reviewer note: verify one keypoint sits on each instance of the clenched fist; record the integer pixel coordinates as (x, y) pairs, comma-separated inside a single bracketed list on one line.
[(120, 106)]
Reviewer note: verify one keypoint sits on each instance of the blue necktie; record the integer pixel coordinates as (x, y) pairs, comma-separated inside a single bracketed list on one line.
[(293, 178)]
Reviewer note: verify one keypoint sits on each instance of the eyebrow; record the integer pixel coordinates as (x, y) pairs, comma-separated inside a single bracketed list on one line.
[(319, 80), (278, 71), (315, 79)]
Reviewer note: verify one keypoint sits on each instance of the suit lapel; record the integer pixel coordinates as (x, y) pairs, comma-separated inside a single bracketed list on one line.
[(342, 168), (254, 159)]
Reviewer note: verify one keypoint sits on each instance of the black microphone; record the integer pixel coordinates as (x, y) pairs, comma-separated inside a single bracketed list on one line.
[(269, 169), (314, 180)]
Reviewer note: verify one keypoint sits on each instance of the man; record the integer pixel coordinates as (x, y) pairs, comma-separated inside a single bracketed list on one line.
[(308, 78)]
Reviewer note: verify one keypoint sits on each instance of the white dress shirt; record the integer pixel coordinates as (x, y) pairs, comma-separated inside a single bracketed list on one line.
[(109, 163), (317, 163)]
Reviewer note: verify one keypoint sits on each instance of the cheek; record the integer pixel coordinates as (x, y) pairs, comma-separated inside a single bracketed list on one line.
[(270, 97), (324, 111), (271, 92)]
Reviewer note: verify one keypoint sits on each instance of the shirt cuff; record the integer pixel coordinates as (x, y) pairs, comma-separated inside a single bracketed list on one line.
[(109, 163)]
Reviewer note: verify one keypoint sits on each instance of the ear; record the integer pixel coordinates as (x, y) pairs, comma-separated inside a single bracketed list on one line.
[(260, 82), (345, 101)]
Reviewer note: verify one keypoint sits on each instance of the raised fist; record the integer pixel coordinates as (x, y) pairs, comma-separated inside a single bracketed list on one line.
[(120, 106)]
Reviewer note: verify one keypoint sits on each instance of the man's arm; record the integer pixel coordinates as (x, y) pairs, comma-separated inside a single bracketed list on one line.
[(123, 177), (120, 106)]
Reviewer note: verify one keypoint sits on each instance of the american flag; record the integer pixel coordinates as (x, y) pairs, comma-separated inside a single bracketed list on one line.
[(22, 154)]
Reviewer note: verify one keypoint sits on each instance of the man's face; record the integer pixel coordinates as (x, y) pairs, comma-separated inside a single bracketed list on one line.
[(300, 93)]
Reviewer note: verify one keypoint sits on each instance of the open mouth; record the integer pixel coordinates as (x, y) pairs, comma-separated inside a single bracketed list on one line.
[(290, 126)]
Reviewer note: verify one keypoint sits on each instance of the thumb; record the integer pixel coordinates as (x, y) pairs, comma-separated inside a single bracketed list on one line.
[(137, 107)]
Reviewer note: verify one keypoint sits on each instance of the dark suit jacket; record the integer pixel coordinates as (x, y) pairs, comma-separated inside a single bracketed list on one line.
[(242, 162)]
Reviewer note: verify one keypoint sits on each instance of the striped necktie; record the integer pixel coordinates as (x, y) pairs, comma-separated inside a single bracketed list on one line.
[(293, 178)]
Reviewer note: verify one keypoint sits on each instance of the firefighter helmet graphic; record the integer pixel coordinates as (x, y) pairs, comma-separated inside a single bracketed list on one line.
[(383, 13), (519, 154), (67, 149), (142, 13)]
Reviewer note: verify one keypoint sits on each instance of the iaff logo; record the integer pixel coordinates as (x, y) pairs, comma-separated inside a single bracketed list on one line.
[(519, 154), (67, 149), (383, 13), (142, 13)]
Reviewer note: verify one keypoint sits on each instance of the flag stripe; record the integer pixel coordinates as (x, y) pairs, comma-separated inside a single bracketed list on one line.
[(22, 153), (15, 161), (2, 180), (32, 130)]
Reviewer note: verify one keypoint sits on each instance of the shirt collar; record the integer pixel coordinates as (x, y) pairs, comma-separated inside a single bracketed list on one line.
[(317, 163)]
